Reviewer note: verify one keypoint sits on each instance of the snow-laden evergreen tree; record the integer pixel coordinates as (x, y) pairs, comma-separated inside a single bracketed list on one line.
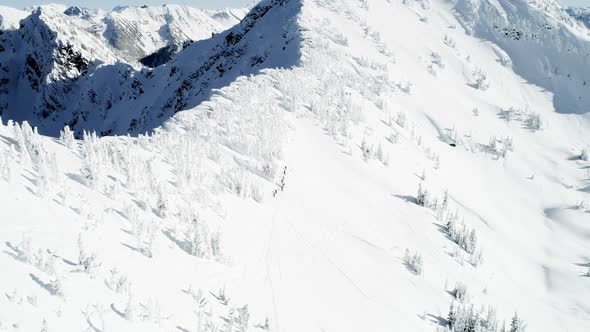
[(481, 79), (87, 261), (414, 262), (517, 324), (422, 196), (66, 136)]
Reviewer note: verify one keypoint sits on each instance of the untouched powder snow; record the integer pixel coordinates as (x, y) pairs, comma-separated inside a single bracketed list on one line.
[(10, 17), (325, 165)]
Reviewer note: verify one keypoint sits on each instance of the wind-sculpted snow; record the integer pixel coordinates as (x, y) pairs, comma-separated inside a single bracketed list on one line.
[(544, 44)]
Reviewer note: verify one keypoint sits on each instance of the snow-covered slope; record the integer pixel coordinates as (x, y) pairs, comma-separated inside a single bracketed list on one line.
[(10, 17), (336, 165)]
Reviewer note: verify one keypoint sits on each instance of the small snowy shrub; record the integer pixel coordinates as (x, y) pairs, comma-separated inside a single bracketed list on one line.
[(401, 119), (517, 324), (256, 194), (66, 136), (449, 41), (422, 196), (381, 156), (143, 230), (436, 59), (86, 261), (117, 282), (475, 259), (7, 161), (42, 179), (162, 208), (505, 61), (481, 79), (405, 87), (91, 171), (366, 150), (393, 138), (414, 262), (534, 121), (460, 292)]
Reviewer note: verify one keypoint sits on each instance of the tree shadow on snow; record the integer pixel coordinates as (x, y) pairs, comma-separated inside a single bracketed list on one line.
[(182, 244), (407, 198), (119, 313), (438, 320), (47, 286), (16, 253), (132, 248), (9, 141), (585, 189)]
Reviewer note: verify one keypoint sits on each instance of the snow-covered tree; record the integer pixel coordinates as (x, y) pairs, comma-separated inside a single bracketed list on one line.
[(460, 292), (414, 262), (422, 195), (517, 324), (87, 261), (66, 136)]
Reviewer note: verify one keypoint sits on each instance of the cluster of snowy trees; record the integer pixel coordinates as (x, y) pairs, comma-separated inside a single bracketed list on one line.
[(414, 262), (499, 147), (215, 312), (370, 152), (460, 234), (531, 120), (28, 151), (462, 317), (435, 63), (457, 231)]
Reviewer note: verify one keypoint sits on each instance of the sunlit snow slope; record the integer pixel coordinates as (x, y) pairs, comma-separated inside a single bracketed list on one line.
[(334, 136)]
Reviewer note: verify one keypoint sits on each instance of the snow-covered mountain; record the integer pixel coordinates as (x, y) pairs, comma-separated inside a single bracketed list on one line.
[(323, 165), (10, 17), (580, 14), (140, 31), (54, 62)]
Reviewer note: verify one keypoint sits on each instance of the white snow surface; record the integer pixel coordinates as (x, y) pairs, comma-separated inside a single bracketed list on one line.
[(10, 17), (305, 168)]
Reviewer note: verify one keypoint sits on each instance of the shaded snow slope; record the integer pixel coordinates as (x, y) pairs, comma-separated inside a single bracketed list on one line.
[(546, 47), (286, 173)]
